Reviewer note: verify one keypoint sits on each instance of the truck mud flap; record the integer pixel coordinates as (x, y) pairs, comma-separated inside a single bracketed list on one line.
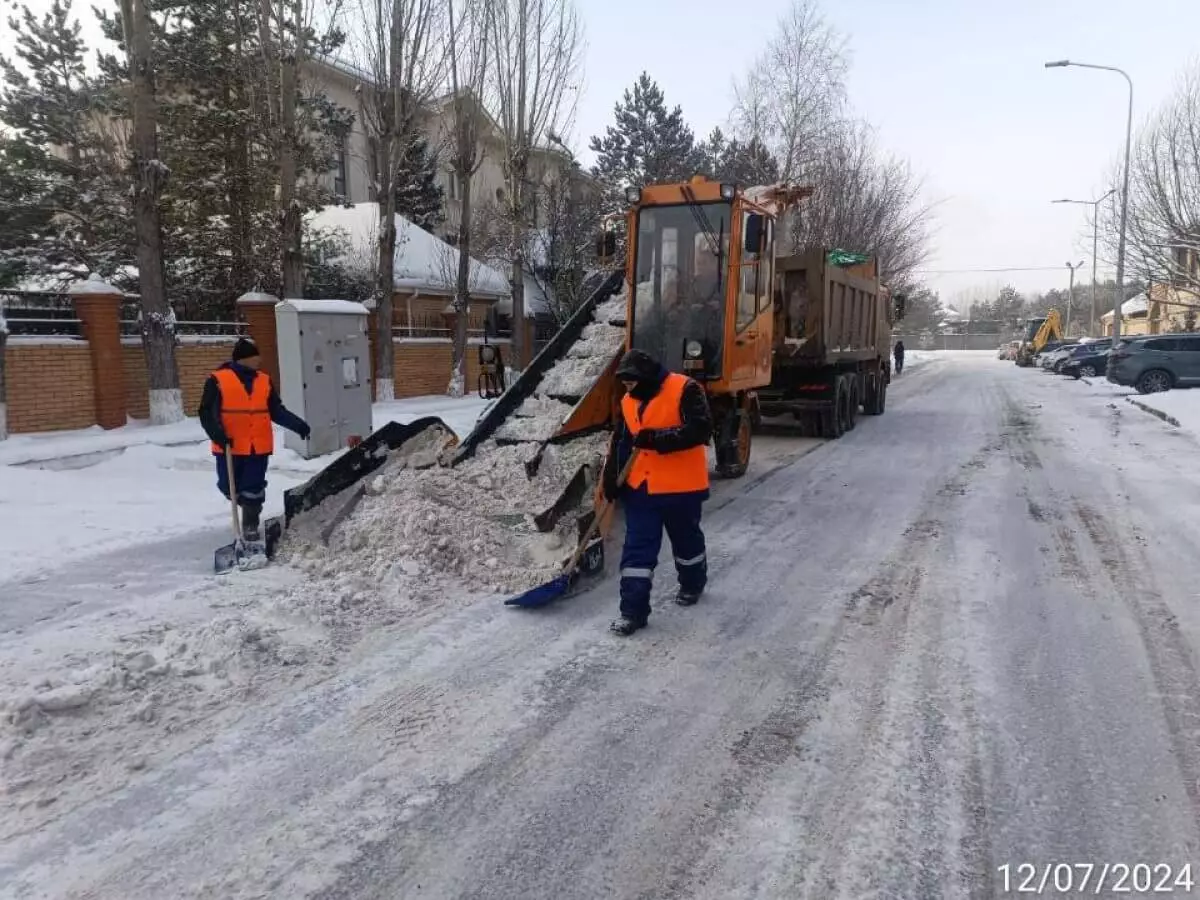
[(353, 465), (524, 386)]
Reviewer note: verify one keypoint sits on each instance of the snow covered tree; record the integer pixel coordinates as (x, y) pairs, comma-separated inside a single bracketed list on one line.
[(149, 174), (562, 250), (467, 56), (398, 43), (418, 194), (747, 163), (648, 144), (64, 205)]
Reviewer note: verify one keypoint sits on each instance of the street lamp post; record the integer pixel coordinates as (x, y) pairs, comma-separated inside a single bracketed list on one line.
[(1071, 296), (1120, 297), (1095, 204)]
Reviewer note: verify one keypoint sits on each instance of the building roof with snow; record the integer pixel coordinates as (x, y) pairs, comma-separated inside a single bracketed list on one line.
[(424, 262), (1134, 306)]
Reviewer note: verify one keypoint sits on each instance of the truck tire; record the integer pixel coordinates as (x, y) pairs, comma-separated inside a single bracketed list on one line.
[(871, 394), (833, 420), (853, 400), (881, 398)]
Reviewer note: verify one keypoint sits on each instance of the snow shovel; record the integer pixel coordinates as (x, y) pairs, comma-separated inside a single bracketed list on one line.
[(563, 582), (235, 555)]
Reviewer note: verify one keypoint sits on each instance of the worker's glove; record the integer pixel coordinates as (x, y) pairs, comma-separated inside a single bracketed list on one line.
[(646, 439), (305, 431), (609, 483), (224, 441)]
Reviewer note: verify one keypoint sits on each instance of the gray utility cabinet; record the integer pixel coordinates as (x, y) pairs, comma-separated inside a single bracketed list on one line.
[(325, 372)]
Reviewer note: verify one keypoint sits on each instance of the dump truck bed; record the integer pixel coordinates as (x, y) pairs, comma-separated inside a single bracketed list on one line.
[(828, 314)]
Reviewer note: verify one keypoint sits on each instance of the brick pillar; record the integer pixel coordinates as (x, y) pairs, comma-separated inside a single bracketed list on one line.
[(98, 306), (259, 312)]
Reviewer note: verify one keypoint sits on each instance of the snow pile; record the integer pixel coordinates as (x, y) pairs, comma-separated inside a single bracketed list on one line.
[(423, 532), (65, 723)]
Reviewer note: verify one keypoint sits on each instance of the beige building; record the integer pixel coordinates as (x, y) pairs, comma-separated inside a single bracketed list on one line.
[(1164, 308), (351, 177)]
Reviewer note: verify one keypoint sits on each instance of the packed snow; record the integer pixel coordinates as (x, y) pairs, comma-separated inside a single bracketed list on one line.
[(80, 493), (1181, 405)]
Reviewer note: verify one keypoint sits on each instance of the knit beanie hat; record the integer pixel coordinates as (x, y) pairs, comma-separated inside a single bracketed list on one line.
[(244, 349)]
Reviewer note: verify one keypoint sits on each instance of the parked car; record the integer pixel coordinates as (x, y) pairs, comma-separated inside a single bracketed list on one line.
[(1050, 357), (1156, 362), (1008, 350), (1088, 363), (1089, 347)]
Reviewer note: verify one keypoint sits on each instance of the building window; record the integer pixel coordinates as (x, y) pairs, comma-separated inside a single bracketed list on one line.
[(451, 186), (339, 169)]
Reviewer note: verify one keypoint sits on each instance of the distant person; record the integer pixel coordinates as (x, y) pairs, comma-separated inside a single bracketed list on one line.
[(665, 416), (898, 352), (236, 411)]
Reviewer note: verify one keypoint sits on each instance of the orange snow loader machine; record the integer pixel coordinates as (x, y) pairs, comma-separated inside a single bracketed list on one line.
[(807, 336)]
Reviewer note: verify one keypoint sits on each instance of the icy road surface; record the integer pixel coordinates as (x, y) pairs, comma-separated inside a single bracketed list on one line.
[(962, 636)]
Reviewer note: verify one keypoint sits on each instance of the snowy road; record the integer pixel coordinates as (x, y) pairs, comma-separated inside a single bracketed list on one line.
[(962, 636)]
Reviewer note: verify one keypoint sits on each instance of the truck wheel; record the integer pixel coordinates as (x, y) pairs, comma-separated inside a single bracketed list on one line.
[(833, 420), (733, 453), (852, 403), (881, 400)]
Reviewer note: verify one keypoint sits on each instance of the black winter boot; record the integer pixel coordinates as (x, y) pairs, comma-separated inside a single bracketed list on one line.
[(625, 626), (250, 520), (687, 598)]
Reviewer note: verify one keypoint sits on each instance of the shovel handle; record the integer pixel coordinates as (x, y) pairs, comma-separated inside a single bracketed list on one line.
[(233, 506), (605, 505)]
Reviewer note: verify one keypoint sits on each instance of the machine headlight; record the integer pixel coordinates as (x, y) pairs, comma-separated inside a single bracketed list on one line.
[(693, 350), (633, 194), (488, 354), (727, 191)]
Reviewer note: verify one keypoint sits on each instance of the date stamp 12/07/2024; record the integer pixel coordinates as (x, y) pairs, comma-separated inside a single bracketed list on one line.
[(1095, 879)]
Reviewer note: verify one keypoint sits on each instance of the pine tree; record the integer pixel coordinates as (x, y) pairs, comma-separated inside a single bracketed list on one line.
[(748, 164), (649, 144), (64, 205), (418, 194)]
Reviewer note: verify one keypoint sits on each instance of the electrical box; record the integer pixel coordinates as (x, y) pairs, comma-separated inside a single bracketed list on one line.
[(325, 372)]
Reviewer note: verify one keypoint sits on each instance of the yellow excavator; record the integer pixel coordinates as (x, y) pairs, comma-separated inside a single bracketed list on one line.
[(1038, 333)]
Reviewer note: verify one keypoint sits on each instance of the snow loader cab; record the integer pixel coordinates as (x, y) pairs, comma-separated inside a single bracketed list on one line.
[(700, 264)]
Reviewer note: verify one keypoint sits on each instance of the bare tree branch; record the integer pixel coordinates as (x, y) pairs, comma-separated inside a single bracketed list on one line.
[(536, 46), (399, 51)]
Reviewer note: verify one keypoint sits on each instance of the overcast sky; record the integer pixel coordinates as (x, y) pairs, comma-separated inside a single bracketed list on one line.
[(955, 86)]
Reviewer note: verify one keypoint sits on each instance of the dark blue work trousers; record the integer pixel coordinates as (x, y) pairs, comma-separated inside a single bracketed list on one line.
[(250, 476), (646, 517)]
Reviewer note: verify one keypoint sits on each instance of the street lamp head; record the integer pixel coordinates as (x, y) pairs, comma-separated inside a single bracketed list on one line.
[(1058, 64)]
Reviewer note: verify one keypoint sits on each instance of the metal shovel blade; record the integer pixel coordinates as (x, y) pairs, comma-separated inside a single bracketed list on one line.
[(225, 559)]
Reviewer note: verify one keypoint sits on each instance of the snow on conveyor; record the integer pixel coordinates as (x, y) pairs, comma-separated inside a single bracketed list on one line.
[(423, 528)]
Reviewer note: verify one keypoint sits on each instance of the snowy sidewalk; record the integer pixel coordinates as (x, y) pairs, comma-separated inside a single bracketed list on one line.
[(1179, 407), (66, 495)]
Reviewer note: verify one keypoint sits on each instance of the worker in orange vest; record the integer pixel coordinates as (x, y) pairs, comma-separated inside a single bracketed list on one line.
[(665, 416), (236, 411)]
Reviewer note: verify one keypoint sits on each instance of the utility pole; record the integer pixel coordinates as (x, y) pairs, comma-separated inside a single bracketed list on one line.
[(1119, 300), (1095, 205), (1071, 296)]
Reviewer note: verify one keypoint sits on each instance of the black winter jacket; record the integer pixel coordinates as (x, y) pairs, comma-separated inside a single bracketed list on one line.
[(210, 406)]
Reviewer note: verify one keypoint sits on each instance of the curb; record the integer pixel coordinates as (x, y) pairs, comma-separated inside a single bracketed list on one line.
[(1170, 420)]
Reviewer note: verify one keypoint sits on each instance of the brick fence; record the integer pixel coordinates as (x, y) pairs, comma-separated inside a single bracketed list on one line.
[(51, 386)]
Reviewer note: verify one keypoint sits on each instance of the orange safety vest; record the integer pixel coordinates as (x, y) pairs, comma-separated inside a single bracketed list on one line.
[(246, 417), (665, 473)]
